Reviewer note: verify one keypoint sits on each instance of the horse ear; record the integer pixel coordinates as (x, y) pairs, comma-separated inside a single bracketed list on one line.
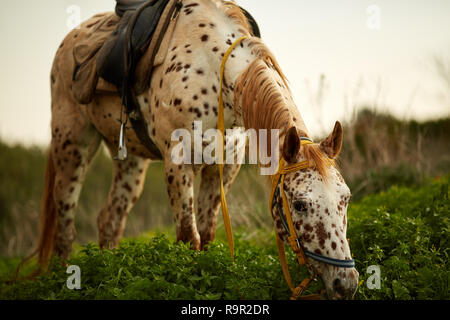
[(333, 143), (291, 145)]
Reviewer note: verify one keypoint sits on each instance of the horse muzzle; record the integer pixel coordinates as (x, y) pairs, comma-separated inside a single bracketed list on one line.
[(342, 287)]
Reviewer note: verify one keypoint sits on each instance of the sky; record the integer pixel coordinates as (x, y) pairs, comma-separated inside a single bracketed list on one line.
[(375, 53)]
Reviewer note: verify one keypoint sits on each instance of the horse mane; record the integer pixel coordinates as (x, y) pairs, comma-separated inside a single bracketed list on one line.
[(234, 12), (314, 154), (262, 104)]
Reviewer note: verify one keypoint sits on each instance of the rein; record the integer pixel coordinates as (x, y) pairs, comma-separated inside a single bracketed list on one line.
[(221, 127), (285, 214)]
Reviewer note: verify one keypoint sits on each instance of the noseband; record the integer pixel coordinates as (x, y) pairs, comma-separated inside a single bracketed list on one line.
[(293, 240)]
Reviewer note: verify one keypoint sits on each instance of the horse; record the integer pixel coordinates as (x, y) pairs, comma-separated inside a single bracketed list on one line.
[(184, 88)]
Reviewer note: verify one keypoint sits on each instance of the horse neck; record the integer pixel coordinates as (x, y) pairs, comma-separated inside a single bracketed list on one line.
[(267, 104), (262, 99)]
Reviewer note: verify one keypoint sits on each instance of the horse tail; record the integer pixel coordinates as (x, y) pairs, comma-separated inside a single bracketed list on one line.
[(47, 223), (48, 214)]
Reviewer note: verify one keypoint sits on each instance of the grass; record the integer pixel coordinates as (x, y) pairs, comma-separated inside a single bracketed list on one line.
[(405, 231), (379, 151)]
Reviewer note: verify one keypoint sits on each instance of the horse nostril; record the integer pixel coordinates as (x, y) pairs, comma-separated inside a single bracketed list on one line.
[(338, 288)]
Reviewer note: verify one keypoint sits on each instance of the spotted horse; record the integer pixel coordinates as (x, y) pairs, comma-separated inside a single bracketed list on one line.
[(184, 88)]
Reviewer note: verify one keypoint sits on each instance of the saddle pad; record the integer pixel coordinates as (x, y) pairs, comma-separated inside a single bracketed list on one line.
[(90, 38), (94, 36)]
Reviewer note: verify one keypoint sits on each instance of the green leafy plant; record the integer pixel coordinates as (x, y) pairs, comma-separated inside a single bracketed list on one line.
[(404, 231)]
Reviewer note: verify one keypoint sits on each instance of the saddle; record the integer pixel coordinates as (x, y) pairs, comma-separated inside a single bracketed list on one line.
[(118, 55), (106, 58), (123, 6)]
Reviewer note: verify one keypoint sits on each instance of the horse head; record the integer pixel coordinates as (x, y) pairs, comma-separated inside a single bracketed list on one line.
[(309, 206)]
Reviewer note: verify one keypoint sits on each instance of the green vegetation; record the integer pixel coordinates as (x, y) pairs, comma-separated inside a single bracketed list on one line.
[(403, 230), (379, 151), (160, 269), (406, 231), (398, 219)]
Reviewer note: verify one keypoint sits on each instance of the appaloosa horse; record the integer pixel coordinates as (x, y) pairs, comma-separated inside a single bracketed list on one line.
[(184, 89)]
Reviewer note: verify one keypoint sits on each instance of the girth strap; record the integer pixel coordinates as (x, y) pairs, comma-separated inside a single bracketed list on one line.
[(139, 33), (129, 97)]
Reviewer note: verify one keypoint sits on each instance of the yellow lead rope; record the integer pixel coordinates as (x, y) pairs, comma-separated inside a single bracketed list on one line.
[(282, 170), (221, 127), (292, 239)]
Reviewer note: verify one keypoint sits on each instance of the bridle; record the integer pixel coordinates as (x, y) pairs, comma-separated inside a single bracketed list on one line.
[(294, 241), (284, 211)]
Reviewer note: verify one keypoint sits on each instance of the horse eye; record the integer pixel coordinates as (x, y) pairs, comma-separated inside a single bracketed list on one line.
[(300, 206)]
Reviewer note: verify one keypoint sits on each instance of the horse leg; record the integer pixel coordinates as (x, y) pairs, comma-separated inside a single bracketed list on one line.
[(180, 187), (209, 199), (73, 146), (126, 188)]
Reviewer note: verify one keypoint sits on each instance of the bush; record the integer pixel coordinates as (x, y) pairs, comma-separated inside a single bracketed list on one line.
[(162, 269), (378, 151), (405, 231)]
